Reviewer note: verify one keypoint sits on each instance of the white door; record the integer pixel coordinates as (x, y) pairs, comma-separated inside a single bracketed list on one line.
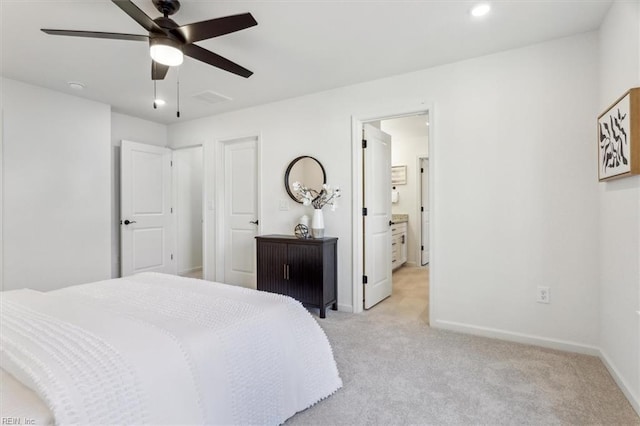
[(377, 228), (147, 228), (240, 221), (424, 204)]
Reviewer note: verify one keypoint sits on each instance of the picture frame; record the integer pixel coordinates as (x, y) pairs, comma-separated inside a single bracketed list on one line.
[(619, 138), (399, 175)]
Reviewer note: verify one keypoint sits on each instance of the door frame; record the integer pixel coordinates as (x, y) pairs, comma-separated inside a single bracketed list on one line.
[(219, 197), (357, 121)]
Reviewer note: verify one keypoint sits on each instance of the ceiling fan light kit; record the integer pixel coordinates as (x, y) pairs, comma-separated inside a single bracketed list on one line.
[(169, 42), (166, 51)]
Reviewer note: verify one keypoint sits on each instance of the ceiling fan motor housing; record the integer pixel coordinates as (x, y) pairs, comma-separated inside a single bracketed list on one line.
[(167, 7)]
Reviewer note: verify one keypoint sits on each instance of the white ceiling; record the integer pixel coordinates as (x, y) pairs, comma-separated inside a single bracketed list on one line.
[(298, 47), (409, 127)]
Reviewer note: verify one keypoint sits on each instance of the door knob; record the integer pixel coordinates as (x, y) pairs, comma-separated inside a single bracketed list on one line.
[(391, 223), (127, 221), (255, 222)]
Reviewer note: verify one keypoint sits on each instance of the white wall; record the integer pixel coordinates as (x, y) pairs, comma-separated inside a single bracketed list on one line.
[(514, 206), (56, 205), (187, 165), (620, 210), (125, 127)]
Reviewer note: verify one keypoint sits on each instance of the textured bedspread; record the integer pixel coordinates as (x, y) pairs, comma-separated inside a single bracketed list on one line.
[(159, 349)]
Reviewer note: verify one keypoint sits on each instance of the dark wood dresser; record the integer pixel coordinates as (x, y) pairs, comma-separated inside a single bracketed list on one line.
[(305, 269)]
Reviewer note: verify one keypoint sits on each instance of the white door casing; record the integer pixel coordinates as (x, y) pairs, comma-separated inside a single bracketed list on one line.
[(240, 224), (147, 231), (424, 211), (377, 228)]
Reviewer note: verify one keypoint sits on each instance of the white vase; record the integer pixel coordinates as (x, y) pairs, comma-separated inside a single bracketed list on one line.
[(317, 224)]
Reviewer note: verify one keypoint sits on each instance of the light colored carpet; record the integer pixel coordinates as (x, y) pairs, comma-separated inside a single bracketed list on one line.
[(398, 371)]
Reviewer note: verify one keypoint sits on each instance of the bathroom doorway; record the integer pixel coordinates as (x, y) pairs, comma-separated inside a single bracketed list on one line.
[(409, 295)]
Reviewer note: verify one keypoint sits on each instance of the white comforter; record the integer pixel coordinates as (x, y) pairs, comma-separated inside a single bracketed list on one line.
[(159, 349)]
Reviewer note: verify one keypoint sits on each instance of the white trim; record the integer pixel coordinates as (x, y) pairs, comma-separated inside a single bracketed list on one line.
[(190, 270), (356, 199), (529, 339), (174, 211), (205, 222), (357, 121), (2, 168), (344, 307), (208, 269), (433, 280), (634, 400)]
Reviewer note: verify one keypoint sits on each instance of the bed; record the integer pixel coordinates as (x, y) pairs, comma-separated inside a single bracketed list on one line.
[(160, 349)]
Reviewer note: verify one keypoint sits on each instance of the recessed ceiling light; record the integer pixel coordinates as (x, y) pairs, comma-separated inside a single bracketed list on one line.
[(76, 85), (480, 9)]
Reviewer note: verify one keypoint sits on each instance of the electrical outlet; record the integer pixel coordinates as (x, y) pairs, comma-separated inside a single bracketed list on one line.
[(544, 295)]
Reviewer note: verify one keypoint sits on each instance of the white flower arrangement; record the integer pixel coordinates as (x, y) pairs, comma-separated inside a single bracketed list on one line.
[(318, 200)]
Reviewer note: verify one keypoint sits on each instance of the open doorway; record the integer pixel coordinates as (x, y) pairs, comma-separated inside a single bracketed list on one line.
[(161, 206), (409, 216), (188, 201), (410, 279)]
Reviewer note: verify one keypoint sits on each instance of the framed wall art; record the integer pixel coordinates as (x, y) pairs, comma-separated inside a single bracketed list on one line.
[(399, 175), (619, 138)]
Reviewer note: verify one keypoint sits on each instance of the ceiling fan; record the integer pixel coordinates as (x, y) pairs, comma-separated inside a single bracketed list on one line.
[(169, 41)]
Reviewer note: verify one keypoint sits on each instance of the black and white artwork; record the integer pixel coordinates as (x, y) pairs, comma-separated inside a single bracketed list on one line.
[(614, 128)]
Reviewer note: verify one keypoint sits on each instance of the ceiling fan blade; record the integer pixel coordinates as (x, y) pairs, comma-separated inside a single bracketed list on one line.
[(215, 27), (138, 15), (96, 34), (158, 70), (208, 57)]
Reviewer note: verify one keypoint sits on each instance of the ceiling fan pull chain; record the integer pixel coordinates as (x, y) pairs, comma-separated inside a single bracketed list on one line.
[(155, 97), (178, 90)]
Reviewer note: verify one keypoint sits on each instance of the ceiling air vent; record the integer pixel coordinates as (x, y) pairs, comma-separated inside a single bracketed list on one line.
[(211, 97)]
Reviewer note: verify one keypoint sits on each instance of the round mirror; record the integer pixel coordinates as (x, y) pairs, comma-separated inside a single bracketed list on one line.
[(306, 170)]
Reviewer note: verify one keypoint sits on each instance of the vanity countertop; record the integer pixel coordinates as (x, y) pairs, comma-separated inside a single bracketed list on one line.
[(400, 218)]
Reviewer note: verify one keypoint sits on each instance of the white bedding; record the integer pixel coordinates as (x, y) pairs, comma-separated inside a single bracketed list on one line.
[(160, 349)]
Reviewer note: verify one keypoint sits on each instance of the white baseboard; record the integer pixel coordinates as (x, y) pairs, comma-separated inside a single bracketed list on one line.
[(622, 384), (190, 270), (529, 339), (345, 308)]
